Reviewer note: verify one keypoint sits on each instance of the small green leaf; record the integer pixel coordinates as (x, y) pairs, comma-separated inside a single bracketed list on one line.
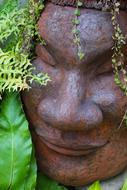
[(77, 12), (75, 31), (81, 55), (79, 4), (95, 186), (124, 185), (76, 40), (76, 21), (117, 4)]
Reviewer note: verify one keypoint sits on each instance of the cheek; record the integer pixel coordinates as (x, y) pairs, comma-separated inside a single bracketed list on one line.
[(108, 96), (38, 92)]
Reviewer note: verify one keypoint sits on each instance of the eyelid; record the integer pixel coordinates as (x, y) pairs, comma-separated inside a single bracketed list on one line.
[(105, 69), (44, 55)]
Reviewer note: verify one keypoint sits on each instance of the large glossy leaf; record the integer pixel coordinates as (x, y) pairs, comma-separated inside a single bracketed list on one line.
[(15, 144), (45, 183), (95, 186), (30, 182)]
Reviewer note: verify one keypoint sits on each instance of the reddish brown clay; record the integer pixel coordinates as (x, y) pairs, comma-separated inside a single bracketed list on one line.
[(75, 118)]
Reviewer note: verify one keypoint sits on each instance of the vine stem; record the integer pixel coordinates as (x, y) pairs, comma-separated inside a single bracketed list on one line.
[(122, 119)]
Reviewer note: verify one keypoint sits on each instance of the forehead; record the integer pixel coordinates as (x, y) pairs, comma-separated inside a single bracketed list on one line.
[(55, 26)]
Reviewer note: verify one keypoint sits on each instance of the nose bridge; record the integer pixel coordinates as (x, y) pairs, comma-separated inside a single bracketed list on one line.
[(62, 109), (71, 92)]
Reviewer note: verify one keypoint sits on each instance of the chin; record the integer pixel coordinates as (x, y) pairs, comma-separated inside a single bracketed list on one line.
[(85, 167)]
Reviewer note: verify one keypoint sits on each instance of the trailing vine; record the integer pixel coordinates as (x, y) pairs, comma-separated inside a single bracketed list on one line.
[(118, 56), (118, 62), (17, 29), (75, 31)]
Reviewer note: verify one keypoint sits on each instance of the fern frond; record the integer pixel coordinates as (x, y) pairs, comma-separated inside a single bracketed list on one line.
[(16, 72), (17, 28)]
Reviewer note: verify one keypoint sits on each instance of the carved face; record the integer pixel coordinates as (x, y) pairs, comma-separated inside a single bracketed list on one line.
[(75, 118)]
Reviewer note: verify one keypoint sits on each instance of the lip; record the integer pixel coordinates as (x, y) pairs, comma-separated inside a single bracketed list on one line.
[(70, 151), (69, 143)]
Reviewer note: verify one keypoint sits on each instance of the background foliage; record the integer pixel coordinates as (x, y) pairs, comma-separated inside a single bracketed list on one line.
[(45, 183), (17, 29), (17, 162)]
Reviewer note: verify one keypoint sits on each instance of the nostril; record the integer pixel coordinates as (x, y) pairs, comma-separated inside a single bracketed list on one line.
[(46, 110), (104, 99), (91, 115), (81, 117)]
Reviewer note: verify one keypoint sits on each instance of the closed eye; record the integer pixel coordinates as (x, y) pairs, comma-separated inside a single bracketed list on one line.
[(44, 55), (105, 69)]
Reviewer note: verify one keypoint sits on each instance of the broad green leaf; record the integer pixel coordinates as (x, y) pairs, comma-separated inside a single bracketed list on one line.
[(45, 183), (16, 145), (32, 174), (124, 185), (95, 186)]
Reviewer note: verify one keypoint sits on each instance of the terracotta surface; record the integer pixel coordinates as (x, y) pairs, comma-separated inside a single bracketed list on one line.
[(75, 118)]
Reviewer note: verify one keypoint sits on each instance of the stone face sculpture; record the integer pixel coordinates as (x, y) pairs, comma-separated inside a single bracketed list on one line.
[(75, 119)]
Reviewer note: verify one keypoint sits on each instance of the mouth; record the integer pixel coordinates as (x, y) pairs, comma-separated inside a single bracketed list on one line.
[(72, 143), (71, 151)]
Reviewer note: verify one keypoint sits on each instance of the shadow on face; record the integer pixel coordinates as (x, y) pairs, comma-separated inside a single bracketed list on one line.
[(74, 119)]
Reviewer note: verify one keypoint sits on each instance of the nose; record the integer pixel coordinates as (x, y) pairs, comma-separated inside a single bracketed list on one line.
[(70, 110)]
